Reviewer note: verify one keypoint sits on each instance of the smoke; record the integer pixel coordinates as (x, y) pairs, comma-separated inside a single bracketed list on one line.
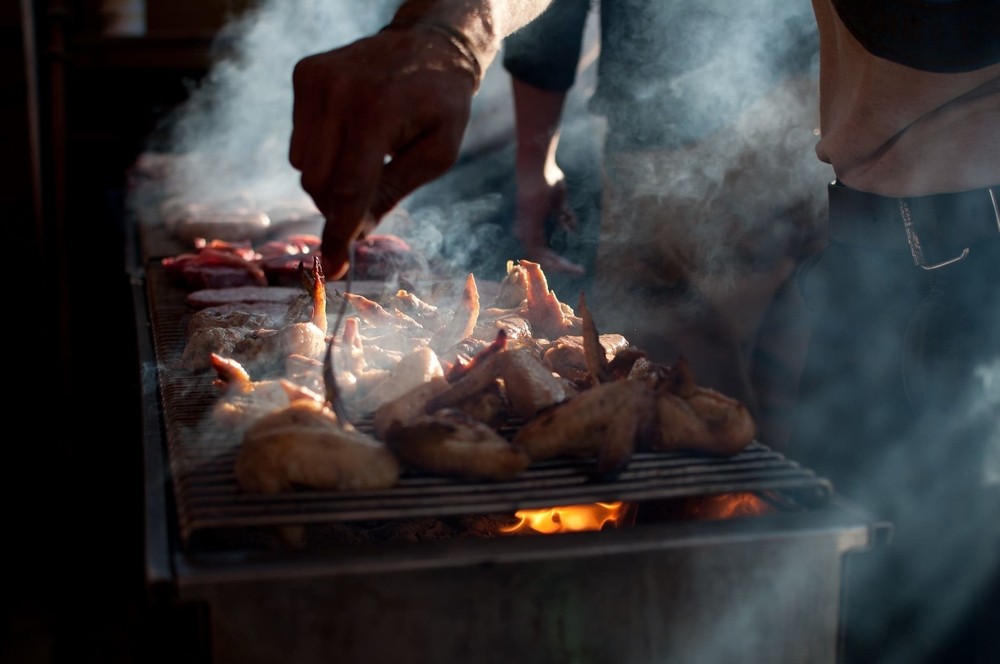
[(711, 110), (989, 376), (232, 134), (228, 142), (925, 458)]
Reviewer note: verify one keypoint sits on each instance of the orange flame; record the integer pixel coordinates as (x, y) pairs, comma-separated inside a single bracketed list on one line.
[(567, 518), (731, 506)]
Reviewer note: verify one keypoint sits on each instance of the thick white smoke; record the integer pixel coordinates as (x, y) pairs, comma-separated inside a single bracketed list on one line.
[(228, 142), (232, 133)]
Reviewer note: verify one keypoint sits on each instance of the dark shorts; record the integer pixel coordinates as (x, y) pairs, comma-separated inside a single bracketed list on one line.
[(900, 407)]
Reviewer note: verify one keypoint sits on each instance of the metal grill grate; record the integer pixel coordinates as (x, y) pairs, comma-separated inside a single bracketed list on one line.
[(208, 498)]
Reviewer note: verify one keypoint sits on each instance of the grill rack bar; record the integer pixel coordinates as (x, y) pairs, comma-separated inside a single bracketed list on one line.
[(208, 499)]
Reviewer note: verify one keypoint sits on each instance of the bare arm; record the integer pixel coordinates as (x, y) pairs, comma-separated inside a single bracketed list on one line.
[(483, 23), (377, 118)]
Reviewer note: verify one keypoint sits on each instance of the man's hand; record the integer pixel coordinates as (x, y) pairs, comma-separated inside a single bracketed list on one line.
[(373, 121)]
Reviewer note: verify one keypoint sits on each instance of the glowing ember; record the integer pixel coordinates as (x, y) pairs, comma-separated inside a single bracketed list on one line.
[(568, 518), (731, 506)]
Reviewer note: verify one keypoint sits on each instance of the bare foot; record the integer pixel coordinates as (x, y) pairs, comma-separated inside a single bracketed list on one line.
[(552, 262)]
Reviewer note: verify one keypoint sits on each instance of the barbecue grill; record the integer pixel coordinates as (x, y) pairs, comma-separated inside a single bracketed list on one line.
[(421, 572)]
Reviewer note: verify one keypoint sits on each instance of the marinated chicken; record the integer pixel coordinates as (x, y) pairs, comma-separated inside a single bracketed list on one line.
[(548, 316), (439, 381), (566, 356), (528, 385), (450, 442), (696, 418), (266, 348), (305, 445), (408, 406), (417, 368), (244, 400), (462, 322), (604, 422)]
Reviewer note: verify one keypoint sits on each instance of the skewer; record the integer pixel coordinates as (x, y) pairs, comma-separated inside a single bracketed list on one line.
[(333, 395)]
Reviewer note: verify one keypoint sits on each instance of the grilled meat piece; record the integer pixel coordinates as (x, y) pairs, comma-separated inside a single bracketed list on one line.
[(513, 288), (528, 385), (204, 342), (691, 417), (216, 264), (567, 357), (605, 421), (706, 421), (424, 313), (463, 321), (232, 220), (236, 315), (210, 297), (548, 316), (382, 257), (244, 400), (416, 368), (408, 406), (516, 328), (263, 349), (305, 445), (280, 259), (451, 443)]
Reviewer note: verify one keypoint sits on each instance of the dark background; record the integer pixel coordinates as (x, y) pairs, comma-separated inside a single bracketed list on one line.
[(77, 107)]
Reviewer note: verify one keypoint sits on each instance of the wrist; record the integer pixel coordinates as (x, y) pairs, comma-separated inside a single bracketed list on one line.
[(460, 45), (469, 26)]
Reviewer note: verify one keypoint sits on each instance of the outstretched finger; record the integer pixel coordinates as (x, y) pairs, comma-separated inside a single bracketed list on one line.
[(422, 161), (346, 201)]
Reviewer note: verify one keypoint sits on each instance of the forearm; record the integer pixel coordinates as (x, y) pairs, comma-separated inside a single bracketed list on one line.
[(483, 24)]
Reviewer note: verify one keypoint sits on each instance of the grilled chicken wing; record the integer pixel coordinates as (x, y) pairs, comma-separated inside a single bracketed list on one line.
[(707, 422), (416, 368), (604, 421), (528, 385), (449, 442), (691, 417), (548, 316), (567, 357), (305, 444), (244, 400), (408, 406), (463, 322)]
